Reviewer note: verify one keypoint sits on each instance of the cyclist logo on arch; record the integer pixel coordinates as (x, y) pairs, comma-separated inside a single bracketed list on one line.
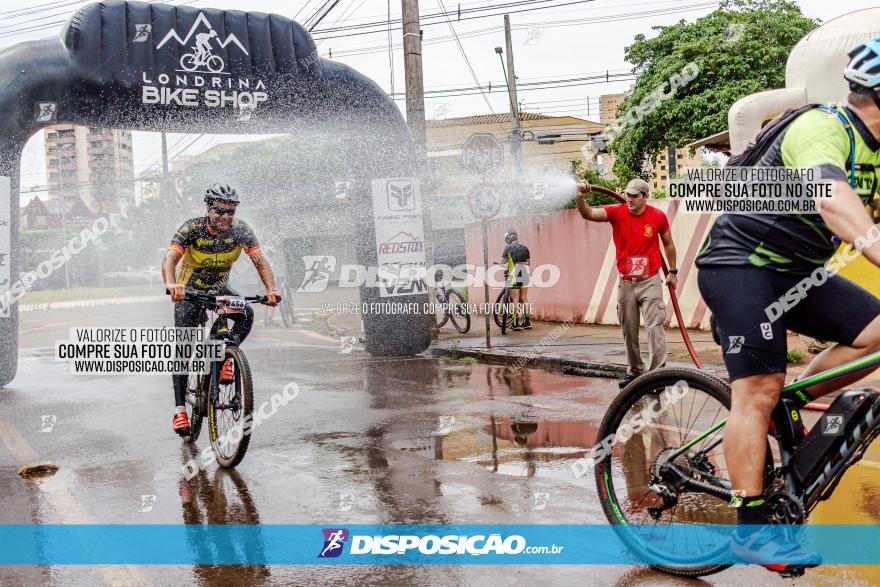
[(202, 55)]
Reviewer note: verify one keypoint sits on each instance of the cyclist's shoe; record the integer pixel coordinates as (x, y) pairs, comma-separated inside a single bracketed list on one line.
[(528, 324), (180, 424), (775, 547), (517, 327), (227, 374), (627, 379)]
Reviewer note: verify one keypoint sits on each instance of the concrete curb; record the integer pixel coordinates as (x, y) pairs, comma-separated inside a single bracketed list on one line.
[(557, 363), (89, 303)]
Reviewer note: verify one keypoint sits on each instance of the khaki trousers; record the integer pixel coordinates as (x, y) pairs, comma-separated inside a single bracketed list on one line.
[(645, 297)]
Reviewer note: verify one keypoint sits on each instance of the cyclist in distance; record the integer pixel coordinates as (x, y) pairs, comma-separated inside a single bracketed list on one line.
[(209, 245), (516, 256), (749, 264)]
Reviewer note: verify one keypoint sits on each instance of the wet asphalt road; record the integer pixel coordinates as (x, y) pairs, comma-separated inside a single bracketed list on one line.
[(368, 440)]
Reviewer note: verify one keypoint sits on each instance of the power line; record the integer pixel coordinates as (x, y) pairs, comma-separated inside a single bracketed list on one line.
[(37, 8), (537, 84), (598, 6), (427, 24), (52, 24), (464, 55), (322, 13), (545, 24), (390, 52), (440, 17)]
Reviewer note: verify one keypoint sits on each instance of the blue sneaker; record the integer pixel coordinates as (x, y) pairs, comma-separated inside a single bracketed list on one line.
[(775, 547)]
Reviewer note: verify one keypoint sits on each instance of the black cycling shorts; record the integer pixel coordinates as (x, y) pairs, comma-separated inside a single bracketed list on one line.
[(753, 338)]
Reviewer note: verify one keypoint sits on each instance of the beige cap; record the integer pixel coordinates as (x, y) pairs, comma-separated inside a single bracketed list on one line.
[(638, 186)]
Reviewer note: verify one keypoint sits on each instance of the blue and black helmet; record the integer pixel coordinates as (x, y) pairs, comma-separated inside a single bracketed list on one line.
[(863, 68)]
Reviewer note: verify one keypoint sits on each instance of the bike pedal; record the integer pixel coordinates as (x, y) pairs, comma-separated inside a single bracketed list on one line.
[(789, 572)]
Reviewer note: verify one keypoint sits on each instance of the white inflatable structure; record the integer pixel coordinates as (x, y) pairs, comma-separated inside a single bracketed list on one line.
[(813, 74)]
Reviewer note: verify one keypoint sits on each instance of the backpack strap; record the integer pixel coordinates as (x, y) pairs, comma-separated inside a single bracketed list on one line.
[(851, 161)]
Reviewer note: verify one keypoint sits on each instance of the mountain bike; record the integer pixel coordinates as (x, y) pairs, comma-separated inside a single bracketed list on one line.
[(192, 61), (502, 311), (450, 306), (665, 466), (225, 405)]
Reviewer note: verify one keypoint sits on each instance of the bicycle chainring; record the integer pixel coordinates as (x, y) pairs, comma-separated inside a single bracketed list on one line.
[(784, 508)]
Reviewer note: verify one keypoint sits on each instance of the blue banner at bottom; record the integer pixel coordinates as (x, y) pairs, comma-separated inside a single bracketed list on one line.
[(681, 544)]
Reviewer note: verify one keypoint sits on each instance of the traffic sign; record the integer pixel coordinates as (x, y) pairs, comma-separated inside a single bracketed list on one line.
[(482, 154), (484, 200)]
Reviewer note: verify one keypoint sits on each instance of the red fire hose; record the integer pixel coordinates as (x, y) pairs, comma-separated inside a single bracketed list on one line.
[(674, 298)]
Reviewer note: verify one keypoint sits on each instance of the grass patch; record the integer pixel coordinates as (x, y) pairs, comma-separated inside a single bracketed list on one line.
[(87, 293), (468, 360), (794, 356), (456, 348)]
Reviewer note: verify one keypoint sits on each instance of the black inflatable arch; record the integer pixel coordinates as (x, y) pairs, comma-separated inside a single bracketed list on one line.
[(133, 65)]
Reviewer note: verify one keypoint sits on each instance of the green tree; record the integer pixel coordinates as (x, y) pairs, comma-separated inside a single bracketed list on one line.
[(592, 177), (740, 49)]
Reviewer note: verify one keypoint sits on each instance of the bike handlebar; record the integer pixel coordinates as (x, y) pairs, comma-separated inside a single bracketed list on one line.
[(212, 298)]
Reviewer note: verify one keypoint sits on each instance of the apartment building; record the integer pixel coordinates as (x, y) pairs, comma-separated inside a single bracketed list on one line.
[(608, 104), (670, 163), (93, 163)]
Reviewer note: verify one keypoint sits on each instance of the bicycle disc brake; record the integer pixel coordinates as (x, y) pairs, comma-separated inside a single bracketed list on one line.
[(668, 491)]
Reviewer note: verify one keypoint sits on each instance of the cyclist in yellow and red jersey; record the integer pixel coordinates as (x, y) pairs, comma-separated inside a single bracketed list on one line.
[(208, 246)]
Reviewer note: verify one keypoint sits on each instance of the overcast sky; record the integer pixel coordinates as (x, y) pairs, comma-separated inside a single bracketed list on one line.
[(570, 41)]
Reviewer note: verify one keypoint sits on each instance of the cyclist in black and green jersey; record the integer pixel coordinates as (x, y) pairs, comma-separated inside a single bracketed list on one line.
[(749, 264), (516, 256)]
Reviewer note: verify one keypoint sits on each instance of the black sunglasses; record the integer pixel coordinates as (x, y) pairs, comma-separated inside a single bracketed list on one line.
[(222, 211)]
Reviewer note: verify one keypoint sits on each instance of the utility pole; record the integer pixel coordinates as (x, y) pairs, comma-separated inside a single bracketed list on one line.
[(415, 113), (515, 132), (166, 184), (412, 62)]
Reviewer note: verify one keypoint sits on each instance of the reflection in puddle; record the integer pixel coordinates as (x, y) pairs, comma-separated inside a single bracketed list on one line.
[(521, 437)]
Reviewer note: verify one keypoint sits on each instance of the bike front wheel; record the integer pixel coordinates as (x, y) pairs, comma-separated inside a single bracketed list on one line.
[(441, 309), (653, 416), (230, 409), (196, 403)]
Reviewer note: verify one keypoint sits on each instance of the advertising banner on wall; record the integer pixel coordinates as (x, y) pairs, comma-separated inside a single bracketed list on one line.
[(400, 236)]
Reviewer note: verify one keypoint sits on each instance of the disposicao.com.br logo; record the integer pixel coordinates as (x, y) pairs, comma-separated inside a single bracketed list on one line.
[(450, 544)]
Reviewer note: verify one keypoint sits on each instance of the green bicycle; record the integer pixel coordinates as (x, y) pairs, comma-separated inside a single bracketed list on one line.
[(664, 464)]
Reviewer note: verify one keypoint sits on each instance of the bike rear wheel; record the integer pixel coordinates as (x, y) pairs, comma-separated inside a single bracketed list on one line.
[(457, 311), (231, 405), (196, 404), (675, 407), (503, 318)]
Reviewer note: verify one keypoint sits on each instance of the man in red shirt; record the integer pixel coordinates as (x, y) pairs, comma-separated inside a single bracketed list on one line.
[(636, 228)]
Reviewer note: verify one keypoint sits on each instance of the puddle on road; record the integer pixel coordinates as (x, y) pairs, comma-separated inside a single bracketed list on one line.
[(523, 423)]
